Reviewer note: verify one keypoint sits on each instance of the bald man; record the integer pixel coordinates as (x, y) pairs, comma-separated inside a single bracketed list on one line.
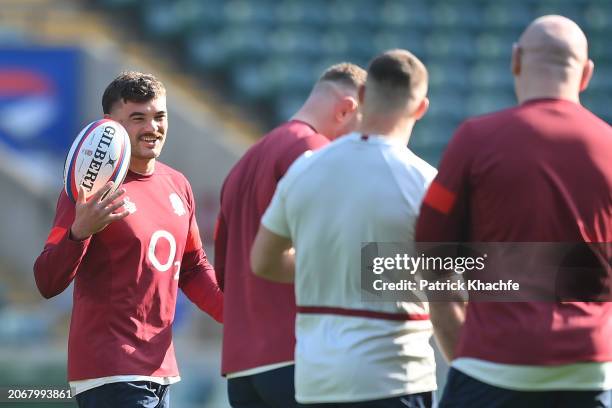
[(258, 331), (365, 187), (538, 172)]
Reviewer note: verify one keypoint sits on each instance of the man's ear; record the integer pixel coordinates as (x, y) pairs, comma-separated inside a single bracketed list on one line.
[(515, 64), (107, 116), (587, 74), (347, 106), (421, 109)]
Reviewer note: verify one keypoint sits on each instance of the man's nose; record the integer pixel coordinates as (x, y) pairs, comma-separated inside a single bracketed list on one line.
[(151, 126)]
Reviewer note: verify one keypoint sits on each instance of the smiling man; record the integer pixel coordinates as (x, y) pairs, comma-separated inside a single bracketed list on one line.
[(128, 256)]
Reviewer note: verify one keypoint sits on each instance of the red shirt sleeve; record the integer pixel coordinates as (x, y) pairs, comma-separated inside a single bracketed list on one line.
[(445, 208), (57, 265), (311, 142), (197, 277)]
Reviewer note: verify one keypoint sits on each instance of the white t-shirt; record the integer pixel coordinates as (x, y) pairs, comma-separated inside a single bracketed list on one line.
[(357, 189)]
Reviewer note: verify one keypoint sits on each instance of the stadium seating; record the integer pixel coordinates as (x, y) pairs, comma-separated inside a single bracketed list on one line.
[(267, 53)]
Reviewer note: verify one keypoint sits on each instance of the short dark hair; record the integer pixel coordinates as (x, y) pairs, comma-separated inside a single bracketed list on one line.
[(345, 73), (131, 86), (397, 76)]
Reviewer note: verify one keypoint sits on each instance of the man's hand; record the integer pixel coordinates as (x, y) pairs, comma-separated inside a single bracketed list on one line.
[(95, 214)]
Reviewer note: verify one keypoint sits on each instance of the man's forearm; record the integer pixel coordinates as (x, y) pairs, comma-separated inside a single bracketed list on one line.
[(447, 319), (57, 265), (200, 285), (280, 270), (273, 256)]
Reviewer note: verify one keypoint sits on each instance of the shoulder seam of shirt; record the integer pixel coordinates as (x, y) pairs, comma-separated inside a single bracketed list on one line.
[(393, 175), (315, 155)]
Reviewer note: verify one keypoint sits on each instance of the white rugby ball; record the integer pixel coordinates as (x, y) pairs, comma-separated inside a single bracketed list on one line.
[(99, 154)]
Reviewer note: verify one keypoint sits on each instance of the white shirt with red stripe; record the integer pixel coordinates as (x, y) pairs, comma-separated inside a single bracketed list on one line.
[(357, 189)]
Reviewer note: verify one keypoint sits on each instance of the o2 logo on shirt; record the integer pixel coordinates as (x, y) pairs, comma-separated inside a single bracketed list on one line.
[(157, 264)]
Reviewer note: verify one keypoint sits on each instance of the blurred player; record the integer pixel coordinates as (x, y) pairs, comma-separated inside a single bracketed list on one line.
[(539, 172), (365, 187), (128, 257), (258, 336)]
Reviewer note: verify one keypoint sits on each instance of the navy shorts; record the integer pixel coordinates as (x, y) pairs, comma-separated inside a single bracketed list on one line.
[(420, 400), (134, 394), (463, 391), (270, 389)]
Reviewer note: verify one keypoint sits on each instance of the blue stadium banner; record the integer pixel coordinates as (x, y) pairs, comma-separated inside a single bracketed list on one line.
[(39, 98)]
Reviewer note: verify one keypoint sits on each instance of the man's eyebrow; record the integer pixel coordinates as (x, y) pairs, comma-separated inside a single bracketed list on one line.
[(143, 114)]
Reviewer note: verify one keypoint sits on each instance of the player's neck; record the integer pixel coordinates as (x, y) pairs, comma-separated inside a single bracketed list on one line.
[(389, 128), (546, 90), (144, 167), (304, 115)]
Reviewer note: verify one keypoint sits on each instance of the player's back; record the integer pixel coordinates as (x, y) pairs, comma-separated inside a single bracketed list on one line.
[(355, 190), (541, 173), (358, 189), (258, 314), (544, 169)]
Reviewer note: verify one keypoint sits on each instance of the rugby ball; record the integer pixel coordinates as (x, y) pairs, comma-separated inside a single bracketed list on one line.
[(99, 154)]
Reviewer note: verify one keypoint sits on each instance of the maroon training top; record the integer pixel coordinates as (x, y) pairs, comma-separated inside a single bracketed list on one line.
[(539, 172), (259, 315), (127, 277)]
